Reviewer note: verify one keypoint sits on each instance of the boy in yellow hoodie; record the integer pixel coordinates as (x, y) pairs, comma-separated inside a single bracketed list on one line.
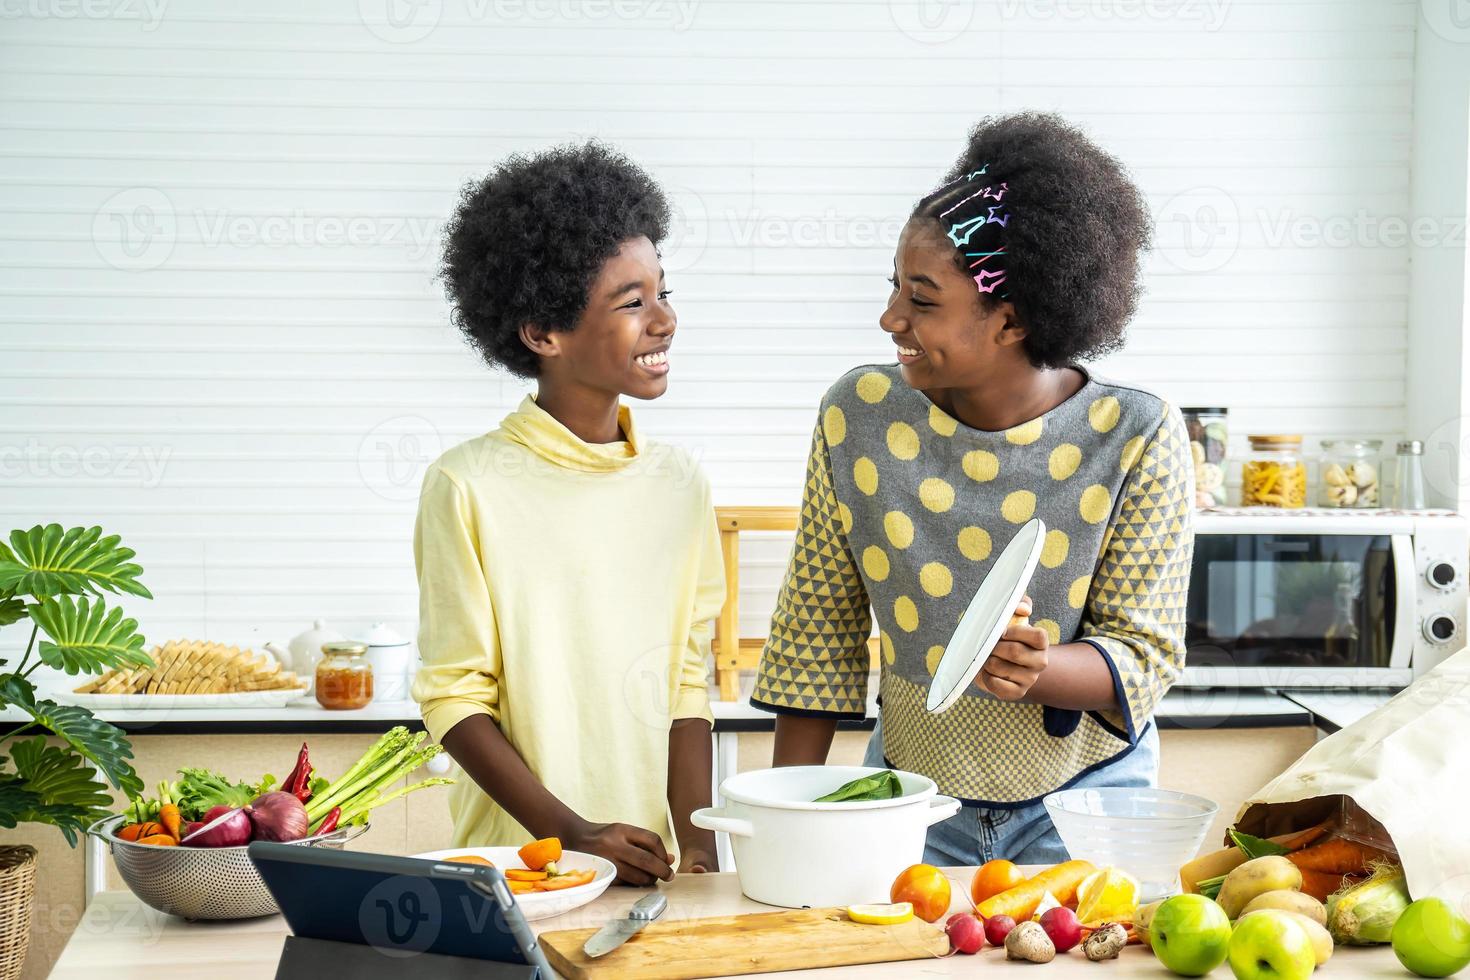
[(568, 570)]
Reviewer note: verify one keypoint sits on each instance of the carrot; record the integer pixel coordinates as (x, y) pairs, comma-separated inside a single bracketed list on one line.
[(1337, 855), (569, 880), (538, 853), (1021, 901), (172, 821), (1320, 884), (160, 840), (518, 874), (521, 887), (1302, 838), (131, 832)]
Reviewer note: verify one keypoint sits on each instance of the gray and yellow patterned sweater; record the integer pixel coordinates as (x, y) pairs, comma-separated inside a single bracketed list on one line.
[(903, 512)]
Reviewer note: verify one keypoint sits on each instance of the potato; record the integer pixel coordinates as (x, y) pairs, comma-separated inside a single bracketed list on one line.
[(1143, 917), (1316, 932), (1257, 877), (1289, 901)]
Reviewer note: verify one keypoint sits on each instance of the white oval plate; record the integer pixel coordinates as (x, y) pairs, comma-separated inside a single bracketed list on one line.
[(987, 617), (170, 702), (542, 905)]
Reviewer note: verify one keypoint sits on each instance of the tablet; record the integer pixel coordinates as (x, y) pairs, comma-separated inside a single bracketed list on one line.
[(399, 905)]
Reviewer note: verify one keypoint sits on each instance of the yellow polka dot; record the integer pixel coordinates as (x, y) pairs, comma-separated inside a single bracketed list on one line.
[(875, 562), (979, 465), (1132, 449), (1054, 548), (865, 475), (1026, 433), (941, 423), (844, 514), (1064, 461), (932, 657), (937, 495), (834, 425), (1077, 592), (886, 643), (1053, 630), (905, 614), (1103, 413), (872, 386), (975, 543), (1095, 503), (903, 441), (1018, 506), (899, 528), (935, 579)]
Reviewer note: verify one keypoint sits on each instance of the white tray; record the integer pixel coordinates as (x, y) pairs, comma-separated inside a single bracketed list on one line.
[(172, 702)]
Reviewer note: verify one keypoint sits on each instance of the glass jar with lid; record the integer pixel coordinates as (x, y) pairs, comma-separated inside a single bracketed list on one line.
[(1274, 474), (1208, 441), (1350, 473), (344, 678)]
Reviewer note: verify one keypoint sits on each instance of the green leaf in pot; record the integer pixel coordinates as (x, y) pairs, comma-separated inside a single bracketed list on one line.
[(877, 786)]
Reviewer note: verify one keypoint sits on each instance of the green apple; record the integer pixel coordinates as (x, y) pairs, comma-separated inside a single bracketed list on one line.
[(1432, 939), (1189, 934), (1271, 947)]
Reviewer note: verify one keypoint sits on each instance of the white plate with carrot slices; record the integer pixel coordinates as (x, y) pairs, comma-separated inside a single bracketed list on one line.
[(545, 880)]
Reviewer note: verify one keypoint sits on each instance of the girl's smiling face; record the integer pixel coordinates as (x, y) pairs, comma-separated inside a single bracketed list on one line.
[(945, 337), (620, 342)]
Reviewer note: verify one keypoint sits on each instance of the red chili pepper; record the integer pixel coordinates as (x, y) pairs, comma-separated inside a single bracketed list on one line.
[(329, 822), (298, 783)]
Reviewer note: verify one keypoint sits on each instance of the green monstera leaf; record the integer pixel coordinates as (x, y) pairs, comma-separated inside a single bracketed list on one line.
[(12, 611), (48, 561), (104, 745), (66, 792), (87, 637)]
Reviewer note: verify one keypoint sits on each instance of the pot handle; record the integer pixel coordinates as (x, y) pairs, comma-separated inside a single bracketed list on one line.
[(713, 818), (942, 808)]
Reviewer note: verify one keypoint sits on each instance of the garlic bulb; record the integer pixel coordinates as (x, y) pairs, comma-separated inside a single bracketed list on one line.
[(1362, 474), (1335, 476), (1341, 496)]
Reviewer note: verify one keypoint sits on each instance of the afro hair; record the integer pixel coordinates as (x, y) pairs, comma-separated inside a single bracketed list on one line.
[(1072, 243), (527, 241)]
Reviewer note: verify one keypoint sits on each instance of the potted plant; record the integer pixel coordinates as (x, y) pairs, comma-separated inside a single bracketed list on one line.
[(55, 767)]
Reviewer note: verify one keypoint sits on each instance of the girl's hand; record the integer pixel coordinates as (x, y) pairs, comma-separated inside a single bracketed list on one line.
[(639, 854), (1018, 659), (697, 861)]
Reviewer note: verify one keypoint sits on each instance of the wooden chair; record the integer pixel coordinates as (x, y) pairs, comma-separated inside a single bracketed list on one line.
[(732, 653)]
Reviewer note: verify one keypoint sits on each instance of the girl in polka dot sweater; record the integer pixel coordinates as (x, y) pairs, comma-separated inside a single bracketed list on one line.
[(1021, 265)]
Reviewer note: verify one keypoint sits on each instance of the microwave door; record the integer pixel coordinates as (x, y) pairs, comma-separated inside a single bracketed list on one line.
[(1405, 582)]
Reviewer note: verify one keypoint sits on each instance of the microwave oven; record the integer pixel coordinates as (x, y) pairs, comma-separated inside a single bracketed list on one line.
[(1318, 598)]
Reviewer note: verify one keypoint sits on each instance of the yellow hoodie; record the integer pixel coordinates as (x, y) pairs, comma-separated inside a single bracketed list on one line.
[(566, 590)]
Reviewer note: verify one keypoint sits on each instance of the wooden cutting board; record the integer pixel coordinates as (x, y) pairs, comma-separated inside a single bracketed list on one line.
[(734, 945)]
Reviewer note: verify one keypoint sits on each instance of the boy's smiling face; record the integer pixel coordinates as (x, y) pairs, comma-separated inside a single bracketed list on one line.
[(620, 342)]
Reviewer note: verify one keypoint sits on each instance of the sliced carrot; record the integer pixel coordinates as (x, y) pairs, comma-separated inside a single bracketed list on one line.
[(521, 887), (471, 859), (521, 874), (537, 854), (570, 880)]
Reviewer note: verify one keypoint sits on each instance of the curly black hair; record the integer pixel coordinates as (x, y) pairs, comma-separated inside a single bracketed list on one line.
[(527, 241), (1072, 242)]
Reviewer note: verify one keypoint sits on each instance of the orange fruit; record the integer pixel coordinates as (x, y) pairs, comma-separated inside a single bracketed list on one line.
[(470, 859), (994, 877), (926, 888)]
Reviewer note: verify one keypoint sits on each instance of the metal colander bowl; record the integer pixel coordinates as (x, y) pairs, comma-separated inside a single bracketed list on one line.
[(199, 882)]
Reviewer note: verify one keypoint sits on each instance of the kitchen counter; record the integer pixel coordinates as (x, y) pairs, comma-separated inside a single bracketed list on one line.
[(121, 938)]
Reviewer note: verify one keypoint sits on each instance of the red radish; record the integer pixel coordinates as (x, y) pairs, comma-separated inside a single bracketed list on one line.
[(965, 933), (221, 827), (997, 928), (1062, 928)]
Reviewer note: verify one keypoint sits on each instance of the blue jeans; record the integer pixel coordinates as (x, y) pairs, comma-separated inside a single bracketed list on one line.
[(1026, 836)]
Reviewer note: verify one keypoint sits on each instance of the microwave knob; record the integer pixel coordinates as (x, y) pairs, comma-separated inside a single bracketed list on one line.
[(1441, 575), (1440, 628)]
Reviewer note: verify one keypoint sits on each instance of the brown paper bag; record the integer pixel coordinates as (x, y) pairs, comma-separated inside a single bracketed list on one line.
[(1399, 777)]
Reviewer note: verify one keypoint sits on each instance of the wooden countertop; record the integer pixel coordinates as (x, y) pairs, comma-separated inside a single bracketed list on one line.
[(120, 938)]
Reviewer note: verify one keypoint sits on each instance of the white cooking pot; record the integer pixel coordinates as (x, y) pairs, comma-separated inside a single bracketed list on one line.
[(798, 854)]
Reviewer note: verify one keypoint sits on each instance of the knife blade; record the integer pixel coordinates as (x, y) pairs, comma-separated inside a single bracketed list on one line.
[(619, 931)]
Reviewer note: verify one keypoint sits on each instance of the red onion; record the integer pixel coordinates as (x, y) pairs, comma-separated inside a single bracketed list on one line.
[(278, 816), (221, 827)]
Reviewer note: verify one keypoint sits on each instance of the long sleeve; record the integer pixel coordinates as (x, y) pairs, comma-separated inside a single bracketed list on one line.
[(691, 696), (1135, 612), (816, 659), (458, 639)]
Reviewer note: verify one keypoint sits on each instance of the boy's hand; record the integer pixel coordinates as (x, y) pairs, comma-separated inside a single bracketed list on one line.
[(639, 854), (697, 861), (1018, 659)]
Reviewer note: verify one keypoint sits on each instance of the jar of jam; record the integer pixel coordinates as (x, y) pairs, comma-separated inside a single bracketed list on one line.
[(344, 678)]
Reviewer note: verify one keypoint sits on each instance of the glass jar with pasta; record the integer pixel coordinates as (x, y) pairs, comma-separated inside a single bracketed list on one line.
[(1274, 474)]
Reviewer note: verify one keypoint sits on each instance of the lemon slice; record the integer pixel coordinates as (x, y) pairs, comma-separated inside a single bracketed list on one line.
[(881, 915), (1108, 895)]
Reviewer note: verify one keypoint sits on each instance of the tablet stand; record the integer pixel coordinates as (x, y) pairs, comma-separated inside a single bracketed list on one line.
[(313, 959)]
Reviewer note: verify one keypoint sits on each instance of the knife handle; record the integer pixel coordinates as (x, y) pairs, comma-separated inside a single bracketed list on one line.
[(649, 907)]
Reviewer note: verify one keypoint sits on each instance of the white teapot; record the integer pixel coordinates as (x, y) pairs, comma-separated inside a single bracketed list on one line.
[(304, 651)]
